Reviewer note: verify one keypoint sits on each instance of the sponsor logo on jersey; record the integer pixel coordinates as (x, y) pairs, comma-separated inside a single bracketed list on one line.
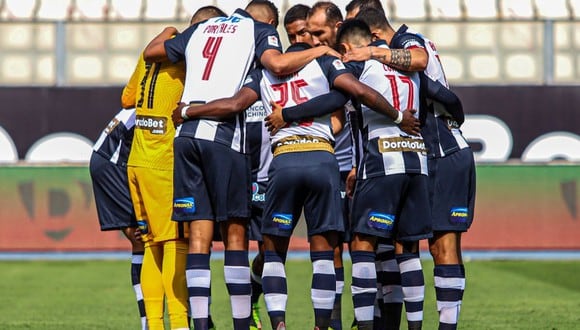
[(248, 80), (381, 221), (396, 144), (282, 220), (111, 126), (273, 41), (143, 227), (338, 64), (459, 215), (256, 111), (184, 205), (256, 195), (155, 125)]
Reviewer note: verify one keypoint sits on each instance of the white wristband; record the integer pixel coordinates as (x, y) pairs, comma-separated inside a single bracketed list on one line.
[(399, 118), (184, 113)]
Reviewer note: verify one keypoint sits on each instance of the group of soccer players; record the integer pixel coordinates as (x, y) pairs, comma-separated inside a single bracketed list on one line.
[(367, 147)]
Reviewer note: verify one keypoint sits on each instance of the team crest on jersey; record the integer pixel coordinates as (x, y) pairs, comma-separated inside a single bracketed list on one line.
[(184, 206), (381, 221), (338, 64), (273, 41), (282, 220), (458, 215), (256, 195)]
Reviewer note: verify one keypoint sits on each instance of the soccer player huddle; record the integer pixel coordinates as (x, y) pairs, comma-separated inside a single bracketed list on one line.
[(354, 125)]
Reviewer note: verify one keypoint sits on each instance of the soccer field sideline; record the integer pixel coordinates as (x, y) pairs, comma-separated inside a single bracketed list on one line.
[(299, 255)]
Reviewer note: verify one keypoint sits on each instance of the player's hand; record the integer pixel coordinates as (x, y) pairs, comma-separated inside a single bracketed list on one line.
[(330, 51), (350, 182), (137, 234), (176, 115), (274, 121), (357, 55), (410, 124)]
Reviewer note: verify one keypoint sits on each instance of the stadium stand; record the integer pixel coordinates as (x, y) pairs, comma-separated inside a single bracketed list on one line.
[(481, 41)]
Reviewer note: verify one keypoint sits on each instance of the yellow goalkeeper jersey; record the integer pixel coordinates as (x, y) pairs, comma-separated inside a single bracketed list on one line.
[(155, 89)]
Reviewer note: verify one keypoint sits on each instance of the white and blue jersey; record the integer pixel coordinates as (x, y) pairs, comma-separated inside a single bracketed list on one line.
[(387, 149), (115, 140), (219, 53), (258, 142), (441, 132)]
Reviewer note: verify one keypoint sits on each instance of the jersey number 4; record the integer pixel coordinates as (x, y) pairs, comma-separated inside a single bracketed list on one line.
[(294, 92), (210, 51)]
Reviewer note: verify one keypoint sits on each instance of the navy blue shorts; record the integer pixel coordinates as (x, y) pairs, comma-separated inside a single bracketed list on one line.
[(211, 181), (112, 197), (303, 179), (392, 206), (452, 191), (258, 204)]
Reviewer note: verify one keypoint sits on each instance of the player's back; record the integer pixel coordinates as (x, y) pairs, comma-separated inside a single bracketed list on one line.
[(115, 140), (160, 86), (311, 81)]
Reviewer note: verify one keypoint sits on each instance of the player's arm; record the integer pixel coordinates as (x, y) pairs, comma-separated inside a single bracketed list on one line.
[(155, 50), (438, 92), (337, 121), (287, 63), (414, 59), (375, 101), (316, 107), (220, 108), (129, 95)]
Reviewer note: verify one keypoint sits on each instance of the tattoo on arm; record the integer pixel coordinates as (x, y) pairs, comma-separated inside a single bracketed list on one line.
[(401, 58)]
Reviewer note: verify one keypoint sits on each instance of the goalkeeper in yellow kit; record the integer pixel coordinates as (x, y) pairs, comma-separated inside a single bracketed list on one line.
[(156, 88)]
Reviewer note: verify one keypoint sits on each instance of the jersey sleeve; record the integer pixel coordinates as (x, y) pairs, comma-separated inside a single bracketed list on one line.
[(356, 68), (266, 38), (407, 40), (129, 95), (316, 107), (253, 80), (332, 68), (175, 47)]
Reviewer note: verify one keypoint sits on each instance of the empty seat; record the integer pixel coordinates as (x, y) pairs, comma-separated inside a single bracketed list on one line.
[(125, 9), (409, 9), (484, 67), (60, 147), (19, 9), (445, 9), (54, 10), (160, 10), (17, 69), (84, 69), (552, 9), (522, 67), (16, 36), (90, 10), (516, 9), (480, 9)]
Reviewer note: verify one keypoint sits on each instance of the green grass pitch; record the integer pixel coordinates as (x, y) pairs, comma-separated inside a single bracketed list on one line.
[(98, 295)]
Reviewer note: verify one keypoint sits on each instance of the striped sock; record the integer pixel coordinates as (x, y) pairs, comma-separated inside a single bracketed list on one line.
[(449, 287), (392, 293), (198, 278), (275, 287), (136, 263), (237, 277), (413, 284), (336, 317), (364, 287), (257, 291), (323, 289)]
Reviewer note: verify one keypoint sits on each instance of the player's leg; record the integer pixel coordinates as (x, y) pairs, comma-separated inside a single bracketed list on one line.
[(237, 270), (191, 204), (452, 190), (323, 286), (274, 279), (152, 285), (173, 273), (389, 277), (364, 279), (257, 265), (414, 224), (137, 252), (449, 276)]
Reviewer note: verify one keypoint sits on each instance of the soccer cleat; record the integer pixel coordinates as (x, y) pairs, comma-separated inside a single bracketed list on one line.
[(211, 326), (255, 322), (354, 325)]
